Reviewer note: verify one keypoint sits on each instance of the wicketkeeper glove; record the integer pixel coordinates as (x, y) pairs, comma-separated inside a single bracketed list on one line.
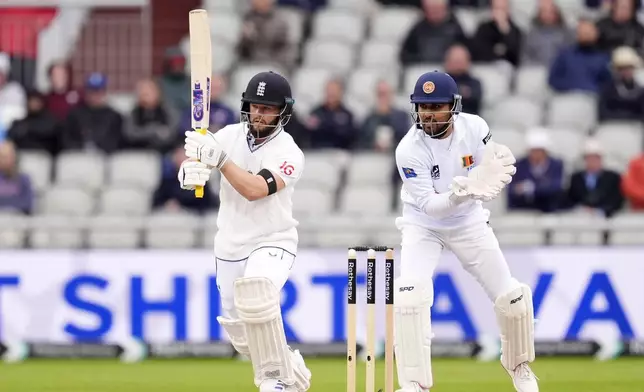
[(205, 149), (192, 174)]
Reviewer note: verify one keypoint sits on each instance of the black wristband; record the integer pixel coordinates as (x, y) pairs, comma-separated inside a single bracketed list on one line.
[(270, 180)]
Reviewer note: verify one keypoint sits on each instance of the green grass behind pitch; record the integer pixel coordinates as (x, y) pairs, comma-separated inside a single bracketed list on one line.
[(556, 375)]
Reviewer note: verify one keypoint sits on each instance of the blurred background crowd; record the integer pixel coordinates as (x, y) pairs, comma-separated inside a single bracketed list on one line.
[(90, 141)]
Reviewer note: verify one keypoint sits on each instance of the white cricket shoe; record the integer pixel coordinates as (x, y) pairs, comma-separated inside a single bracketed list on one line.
[(523, 378), (414, 388), (275, 386)]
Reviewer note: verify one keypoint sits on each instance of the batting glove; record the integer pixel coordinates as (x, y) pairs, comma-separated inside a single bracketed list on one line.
[(192, 174), (205, 149)]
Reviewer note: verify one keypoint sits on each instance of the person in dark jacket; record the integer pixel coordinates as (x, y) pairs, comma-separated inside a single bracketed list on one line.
[(93, 125), (170, 196), (538, 182), (547, 35), (428, 40), (582, 66), (620, 27), (61, 98), (498, 38), (39, 130), (386, 125), (595, 189), (621, 97), (331, 124), (175, 82), (457, 64)]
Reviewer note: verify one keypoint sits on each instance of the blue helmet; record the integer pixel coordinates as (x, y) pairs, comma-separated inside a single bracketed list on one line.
[(435, 88)]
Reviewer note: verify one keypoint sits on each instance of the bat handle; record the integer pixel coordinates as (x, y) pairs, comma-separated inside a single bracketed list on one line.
[(199, 190)]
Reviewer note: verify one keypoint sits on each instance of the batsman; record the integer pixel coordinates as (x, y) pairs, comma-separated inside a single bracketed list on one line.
[(450, 164), (257, 239)]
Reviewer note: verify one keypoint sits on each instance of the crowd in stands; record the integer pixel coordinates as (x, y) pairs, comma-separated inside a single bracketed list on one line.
[(597, 56)]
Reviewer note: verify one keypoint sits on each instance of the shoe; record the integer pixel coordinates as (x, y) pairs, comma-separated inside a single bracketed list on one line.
[(276, 386), (415, 387), (523, 378)]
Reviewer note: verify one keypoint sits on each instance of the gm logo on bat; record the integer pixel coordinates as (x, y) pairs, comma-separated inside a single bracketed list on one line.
[(197, 102)]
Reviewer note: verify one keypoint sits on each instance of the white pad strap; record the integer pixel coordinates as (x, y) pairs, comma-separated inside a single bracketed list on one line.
[(515, 315), (257, 302), (236, 333), (413, 332)]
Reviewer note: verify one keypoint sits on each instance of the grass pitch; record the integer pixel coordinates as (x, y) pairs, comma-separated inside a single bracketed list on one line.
[(560, 375)]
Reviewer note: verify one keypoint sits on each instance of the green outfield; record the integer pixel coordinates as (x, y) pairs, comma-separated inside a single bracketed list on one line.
[(624, 375)]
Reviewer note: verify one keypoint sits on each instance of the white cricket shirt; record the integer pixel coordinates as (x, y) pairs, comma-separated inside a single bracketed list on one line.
[(427, 167), (246, 225)]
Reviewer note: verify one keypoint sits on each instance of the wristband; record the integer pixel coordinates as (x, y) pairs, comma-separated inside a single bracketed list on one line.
[(270, 180)]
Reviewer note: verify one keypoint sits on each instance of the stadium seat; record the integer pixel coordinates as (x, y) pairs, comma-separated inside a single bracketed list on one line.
[(379, 54), (495, 82), (499, 206), (309, 84), (393, 23), (123, 103), (147, 174), (413, 72), (564, 111), (225, 26), (38, 166), (621, 141), (171, 230), (627, 229), (532, 82), (363, 7), (576, 229), (63, 201), (244, 73), (114, 232), (359, 108), (224, 57), (370, 169), (518, 229), (322, 170), (366, 200), (13, 230), (514, 139), (209, 230), (312, 201), (125, 202), (339, 230), (57, 232), (469, 19), (341, 25), (363, 81), (217, 6), (567, 144), (335, 56), (516, 112), (295, 18), (80, 169)]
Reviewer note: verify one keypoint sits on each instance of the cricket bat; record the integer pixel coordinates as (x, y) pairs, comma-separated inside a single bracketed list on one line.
[(200, 73)]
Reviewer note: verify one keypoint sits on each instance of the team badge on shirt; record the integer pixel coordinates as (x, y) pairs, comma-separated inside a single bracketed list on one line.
[(409, 172), (468, 161), (436, 172)]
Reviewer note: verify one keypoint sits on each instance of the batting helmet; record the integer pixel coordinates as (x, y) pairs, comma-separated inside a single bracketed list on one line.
[(436, 88)]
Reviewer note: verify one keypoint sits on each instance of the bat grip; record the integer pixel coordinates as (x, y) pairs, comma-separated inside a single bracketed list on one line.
[(199, 190)]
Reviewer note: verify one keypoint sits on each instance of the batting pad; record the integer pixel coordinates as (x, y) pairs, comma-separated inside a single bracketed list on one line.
[(258, 306), (515, 315), (236, 333), (413, 332)]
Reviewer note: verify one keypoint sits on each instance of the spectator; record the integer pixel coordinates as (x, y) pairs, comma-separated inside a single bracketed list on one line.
[(296, 128), (39, 130), (264, 36), (595, 188), (621, 27), (13, 102), (16, 193), (220, 114), (151, 125), (633, 183), (621, 97), (582, 66), (62, 98), (386, 125), (175, 82), (306, 5), (457, 64), (547, 35), (93, 124), (170, 196), (428, 40), (498, 38), (537, 184), (331, 124)]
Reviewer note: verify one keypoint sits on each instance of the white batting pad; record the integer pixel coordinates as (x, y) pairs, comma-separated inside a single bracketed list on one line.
[(515, 315), (413, 332), (236, 333), (257, 301)]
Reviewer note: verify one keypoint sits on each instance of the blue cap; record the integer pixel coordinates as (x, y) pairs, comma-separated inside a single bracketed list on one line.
[(96, 81), (434, 87)]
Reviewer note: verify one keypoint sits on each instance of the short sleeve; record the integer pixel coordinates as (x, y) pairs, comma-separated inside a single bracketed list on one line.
[(289, 165)]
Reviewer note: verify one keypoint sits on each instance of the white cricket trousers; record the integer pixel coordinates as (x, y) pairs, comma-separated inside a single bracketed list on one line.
[(474, 245), (267, 262)]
